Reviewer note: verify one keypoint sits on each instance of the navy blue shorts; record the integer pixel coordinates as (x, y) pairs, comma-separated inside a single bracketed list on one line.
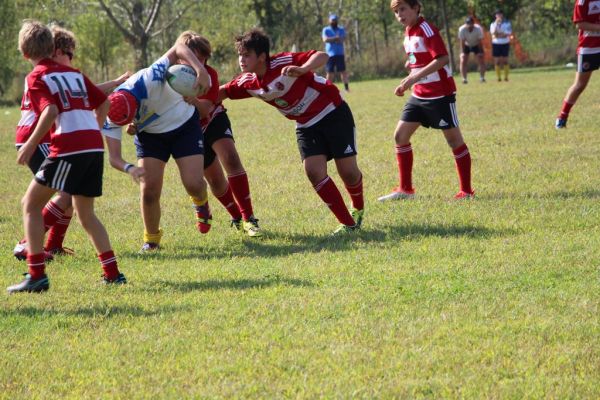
[(336, 63), (472, 49), (187, 140), (500, 50), (588, 62)]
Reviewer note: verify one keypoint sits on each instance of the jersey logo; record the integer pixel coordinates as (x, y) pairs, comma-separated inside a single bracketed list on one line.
[(40, 175), (200, 144), (412, 59), (442, 122), (348, 150), (158, 72), (281, 103), (594, 7), (228, 132), (279, 86)]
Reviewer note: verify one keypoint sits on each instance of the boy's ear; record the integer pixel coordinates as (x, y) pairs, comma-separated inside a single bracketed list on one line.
[(262, 57)]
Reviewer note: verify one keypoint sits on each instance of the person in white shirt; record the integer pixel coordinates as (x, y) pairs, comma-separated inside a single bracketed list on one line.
[(501, 31), (471, 36)]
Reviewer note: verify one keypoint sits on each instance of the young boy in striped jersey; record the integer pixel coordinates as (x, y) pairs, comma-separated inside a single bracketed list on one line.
[(325, 127), (432, 103), (72, 109)]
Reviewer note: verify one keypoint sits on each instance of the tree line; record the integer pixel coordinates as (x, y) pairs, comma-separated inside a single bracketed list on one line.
[(118, 35)]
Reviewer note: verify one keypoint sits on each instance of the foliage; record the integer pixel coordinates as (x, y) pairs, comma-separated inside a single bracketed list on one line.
[(493, 298)]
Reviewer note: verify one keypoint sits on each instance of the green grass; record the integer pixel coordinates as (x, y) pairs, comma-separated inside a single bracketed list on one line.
[(492, 298)]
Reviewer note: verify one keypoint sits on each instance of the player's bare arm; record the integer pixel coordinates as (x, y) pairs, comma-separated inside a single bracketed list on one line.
[(203, 106), (222, 94), (116, 160), (413, 78), (108, 86), (44, 124), (315, 61), (182, 52), (588, 26), (101, 112)]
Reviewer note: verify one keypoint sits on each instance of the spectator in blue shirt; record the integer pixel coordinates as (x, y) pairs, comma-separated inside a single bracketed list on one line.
[(333, 37)]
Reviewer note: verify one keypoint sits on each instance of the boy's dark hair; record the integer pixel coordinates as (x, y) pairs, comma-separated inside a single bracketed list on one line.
[(255, 39), (411, 3)]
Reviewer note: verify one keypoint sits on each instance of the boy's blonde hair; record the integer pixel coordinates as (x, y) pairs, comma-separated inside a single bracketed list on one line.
[(35, 40), (394, 4), (196, 42), (64, 40)]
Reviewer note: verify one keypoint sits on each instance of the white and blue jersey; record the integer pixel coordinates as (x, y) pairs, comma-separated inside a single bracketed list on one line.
[(334, 48), (160, 108)]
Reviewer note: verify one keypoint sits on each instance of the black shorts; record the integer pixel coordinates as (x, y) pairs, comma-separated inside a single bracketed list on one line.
[(435, 113), (472, 49), (500, 50), (334, 136), (336, 63), (39, 155), (78, 174), (219, 128), (187, 140), (588, 62)]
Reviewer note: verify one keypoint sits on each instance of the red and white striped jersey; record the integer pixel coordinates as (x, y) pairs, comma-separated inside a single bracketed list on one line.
[(212, 95), (305, 99), (75, 129), (28, 121), (587, 11), (423, 43)]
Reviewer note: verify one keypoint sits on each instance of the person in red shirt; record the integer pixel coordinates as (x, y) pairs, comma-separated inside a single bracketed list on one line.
[(325, 127), (432, 103), (58, 211), (586, 17), (232, 192), (72, 108)]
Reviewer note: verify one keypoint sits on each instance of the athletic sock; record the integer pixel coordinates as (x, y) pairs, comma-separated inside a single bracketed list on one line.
[(356, 194), (109, 264), (462, 157), (404, 157), (497, 69), (329, 193), (56, 235), (153, 237), (51, 214), (241, 192), (36, 265), (229, 203), (565, 110), (506, 69)]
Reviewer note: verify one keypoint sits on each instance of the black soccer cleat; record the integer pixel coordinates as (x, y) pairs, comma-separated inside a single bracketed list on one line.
[(30, 285), (119, 280)]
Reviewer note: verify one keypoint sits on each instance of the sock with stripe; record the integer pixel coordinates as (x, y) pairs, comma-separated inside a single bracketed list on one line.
[(329, 193), (51, 214), (241, 192), (109, 265), (404, 158), (56, 235), (229, 203), (356, 194), (565, 110), (36, 265), (462, 157)]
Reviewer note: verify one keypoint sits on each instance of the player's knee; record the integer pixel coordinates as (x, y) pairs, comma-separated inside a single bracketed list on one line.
[(231, 162), (150, 195), (315, 176)]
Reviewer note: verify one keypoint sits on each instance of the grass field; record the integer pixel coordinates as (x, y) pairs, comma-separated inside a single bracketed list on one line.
[(492, 298)]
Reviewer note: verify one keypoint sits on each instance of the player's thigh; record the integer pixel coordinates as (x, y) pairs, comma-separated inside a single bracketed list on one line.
[(84, 207), (453, 137), (315, 168), (228, 155), (36, 197), (348, 170), (191, 171)]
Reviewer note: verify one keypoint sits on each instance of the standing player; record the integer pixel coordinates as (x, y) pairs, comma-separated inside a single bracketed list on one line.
[(58, 211), (334, 36), (324, 124), (219, 146), (586, 16), (501, 31), (471, 36), (63, 97), (164, 126), (432, 103)]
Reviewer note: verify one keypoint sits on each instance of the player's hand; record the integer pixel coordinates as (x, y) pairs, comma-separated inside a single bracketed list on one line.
[(24, 154), (202, 82), (131, 129), (122, 78), (293, 70), (405, 84), (191, 100), (399, 91), (137, 173)]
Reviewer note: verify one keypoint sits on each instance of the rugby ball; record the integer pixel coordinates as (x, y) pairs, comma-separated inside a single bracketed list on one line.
[(181, 78)]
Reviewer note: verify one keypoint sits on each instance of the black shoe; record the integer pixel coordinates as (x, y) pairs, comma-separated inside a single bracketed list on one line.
[(30, 285), (119, 280)]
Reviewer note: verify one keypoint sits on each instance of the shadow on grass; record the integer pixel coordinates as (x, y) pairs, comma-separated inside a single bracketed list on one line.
[(232, 284), (282, 245), (558, 195), (93, 311)]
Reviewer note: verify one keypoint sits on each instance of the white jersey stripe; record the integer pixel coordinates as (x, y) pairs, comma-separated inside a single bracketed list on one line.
[(62, 172), (427, 29), (454, 114)]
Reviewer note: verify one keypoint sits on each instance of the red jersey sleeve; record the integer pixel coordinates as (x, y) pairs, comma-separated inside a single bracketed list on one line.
[(435, 45), (39, 93), (236, 90), (301, 57), (95, 95), (580, 11), (213, 92)]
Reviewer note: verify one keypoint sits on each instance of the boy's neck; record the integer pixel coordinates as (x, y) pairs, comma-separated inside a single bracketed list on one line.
[(261, 70), (36, 61)]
